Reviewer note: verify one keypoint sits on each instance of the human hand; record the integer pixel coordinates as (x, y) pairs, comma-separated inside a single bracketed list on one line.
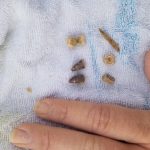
[(101, 127)]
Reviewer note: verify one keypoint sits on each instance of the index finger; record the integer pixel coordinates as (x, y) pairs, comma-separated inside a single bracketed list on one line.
[(112, 121)]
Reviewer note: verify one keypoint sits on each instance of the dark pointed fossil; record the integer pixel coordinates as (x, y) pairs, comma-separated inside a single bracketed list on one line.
[(78, 79), (78, 66)]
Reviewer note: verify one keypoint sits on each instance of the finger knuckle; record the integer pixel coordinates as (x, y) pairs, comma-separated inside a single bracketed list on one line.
[(47, 141), (90, 143), (144, 133), (61, 114), (64, 114), (99, 118), (143, 127)]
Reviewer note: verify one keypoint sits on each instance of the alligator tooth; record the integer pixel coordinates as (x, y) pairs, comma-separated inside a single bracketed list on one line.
[(78, 79), (79, 66)]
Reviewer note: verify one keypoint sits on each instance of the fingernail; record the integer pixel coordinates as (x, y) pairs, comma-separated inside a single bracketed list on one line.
[(41, 107), (19, 136)]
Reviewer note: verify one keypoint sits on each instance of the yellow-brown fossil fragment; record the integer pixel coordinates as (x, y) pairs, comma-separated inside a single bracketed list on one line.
[(74, 41), (107, 78), (109, 59)]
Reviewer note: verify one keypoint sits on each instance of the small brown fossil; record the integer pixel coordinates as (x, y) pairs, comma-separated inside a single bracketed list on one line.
[(111, 41), (29, 90), (109, 59), (108, 79), (78, 79), (79, 66)]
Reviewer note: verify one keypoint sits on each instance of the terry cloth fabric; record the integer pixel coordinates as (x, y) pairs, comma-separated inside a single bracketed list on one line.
[(35, 61)]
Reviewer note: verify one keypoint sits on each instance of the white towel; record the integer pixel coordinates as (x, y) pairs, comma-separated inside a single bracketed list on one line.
[(35, 61)]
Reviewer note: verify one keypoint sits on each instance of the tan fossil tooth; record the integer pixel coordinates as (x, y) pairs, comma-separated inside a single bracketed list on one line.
[(108, 79), (78, 79), (79, 66), (111, 41)]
